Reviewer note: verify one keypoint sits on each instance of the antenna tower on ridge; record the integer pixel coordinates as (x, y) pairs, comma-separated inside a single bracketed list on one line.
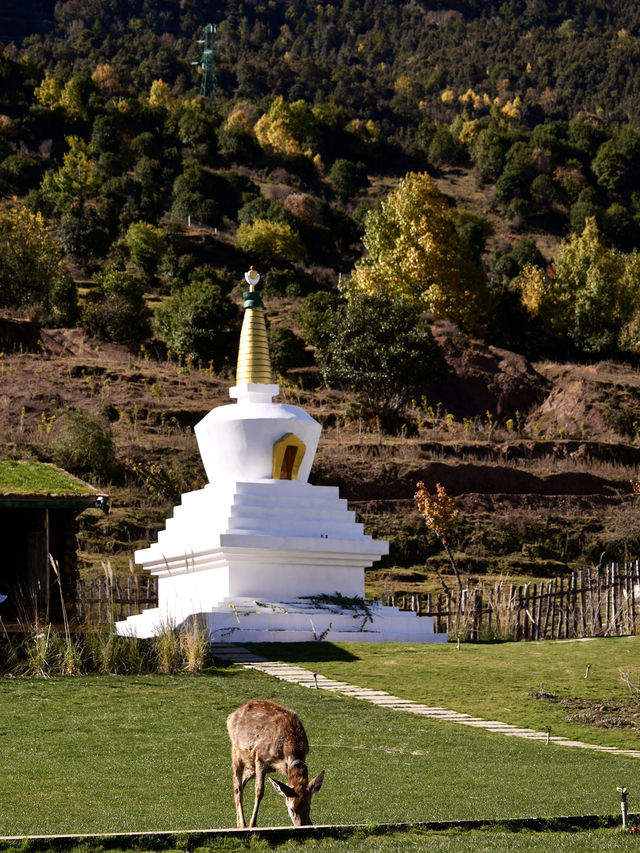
[(208, 84)]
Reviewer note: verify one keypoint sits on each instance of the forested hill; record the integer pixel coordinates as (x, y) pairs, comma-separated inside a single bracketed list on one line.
[(498, 141), (387, 60)]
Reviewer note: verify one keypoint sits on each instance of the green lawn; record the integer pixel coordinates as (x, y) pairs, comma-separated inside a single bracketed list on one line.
[(490, 680), (117, 754)]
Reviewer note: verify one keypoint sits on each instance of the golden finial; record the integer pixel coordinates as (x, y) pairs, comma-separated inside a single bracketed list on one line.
[(254, 365)]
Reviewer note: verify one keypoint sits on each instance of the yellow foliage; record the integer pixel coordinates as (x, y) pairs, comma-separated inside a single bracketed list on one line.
[(265, 237), (468, 131), (513, 109), (274, 138), (48, 92), (481, 102), (238, 118), (7, 126), (447, 97), (404, 86), (30, 259), (368, 131), (77, 178), (531, 282), (160, 95), (440, 511), (106, 80), (413, 253)]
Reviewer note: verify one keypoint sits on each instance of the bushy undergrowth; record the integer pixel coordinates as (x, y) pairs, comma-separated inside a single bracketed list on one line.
[(41, 650)]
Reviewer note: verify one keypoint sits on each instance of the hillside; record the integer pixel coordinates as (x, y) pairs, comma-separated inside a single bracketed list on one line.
[(286, 134)]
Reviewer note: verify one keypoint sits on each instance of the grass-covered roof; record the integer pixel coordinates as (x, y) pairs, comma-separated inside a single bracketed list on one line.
[(26, 478)]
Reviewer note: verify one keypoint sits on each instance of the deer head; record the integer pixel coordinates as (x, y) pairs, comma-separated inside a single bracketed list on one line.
[(299, 802)]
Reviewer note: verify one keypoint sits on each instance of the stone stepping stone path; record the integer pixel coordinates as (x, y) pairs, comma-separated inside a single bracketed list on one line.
[(305, 678)]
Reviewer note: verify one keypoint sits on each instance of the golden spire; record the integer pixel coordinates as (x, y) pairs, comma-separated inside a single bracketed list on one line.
[(254, 366)]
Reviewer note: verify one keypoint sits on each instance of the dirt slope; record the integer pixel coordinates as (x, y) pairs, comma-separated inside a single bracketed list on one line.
[(539, 458)]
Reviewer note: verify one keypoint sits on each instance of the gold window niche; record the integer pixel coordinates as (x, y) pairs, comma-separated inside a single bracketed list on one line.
[(288, 453)]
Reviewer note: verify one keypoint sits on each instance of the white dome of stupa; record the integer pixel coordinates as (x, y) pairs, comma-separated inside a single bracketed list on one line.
[(256, 439)]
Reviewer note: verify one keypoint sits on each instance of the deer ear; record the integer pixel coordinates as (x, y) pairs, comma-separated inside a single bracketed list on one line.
[(316, 784), (281, 788)]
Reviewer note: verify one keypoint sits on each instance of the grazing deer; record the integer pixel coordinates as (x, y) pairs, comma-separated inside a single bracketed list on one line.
[(267, 737)]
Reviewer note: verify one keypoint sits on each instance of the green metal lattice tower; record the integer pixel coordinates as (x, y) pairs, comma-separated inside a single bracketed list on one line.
[(208, 84)]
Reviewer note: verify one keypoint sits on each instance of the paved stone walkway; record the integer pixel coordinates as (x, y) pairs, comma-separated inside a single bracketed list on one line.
[(305, 678)]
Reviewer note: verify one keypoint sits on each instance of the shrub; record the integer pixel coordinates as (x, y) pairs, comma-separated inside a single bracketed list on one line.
[(348, 177), (287, 349), (280, 283), (31, 267), (83, 444), (117, 311), (379, 346), (316, 317), (146, 244), (200, 322), (444, 147), (526, 252), (21, 173)]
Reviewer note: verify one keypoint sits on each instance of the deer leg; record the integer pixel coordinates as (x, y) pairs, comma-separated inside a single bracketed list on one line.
[(239, 782), (260, 774)]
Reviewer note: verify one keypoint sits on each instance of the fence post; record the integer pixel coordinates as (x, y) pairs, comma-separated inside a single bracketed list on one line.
[(478, 613), (538, 612), (571, 607), (559, 597), (634, 576)]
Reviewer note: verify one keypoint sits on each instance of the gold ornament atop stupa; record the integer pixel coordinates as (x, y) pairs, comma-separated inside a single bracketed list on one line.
[(254, 365)]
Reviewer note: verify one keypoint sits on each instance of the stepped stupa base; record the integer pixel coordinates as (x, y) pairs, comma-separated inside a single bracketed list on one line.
[(317, 618)]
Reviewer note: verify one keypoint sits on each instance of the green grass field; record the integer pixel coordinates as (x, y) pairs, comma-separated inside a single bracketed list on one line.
[(491, 680), (116, 753)]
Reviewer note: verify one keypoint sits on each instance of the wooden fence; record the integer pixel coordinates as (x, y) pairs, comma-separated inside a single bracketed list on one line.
[(592, 603), (104, 600)]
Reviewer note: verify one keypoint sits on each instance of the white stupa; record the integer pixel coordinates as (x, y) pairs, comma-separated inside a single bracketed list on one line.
[(259, 554)]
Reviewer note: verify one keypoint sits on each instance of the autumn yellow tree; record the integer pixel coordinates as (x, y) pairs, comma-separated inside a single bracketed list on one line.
[(72, 191), (591, 300), (265, 237), (287, 129), (31, 267), (106, 80), (414, 253), (441, 515), (76, 180), (160, 95)]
